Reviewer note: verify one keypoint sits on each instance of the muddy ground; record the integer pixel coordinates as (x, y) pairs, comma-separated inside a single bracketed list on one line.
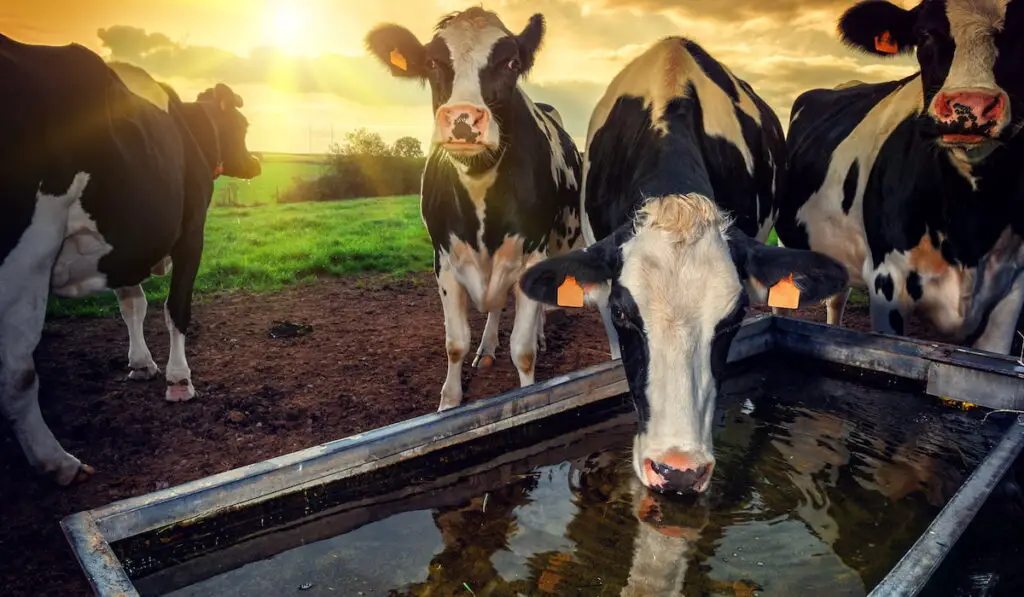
[(375, 356)]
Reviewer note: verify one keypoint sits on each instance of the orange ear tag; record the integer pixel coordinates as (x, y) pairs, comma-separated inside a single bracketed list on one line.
[(570, 293), (884, 43), (398, 60), (785, 294)]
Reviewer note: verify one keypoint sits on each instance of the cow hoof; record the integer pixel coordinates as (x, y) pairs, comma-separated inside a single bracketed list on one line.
[(483, 361), (448, 404), (74, 473), (85, 472), (182, 391), (144, 373)]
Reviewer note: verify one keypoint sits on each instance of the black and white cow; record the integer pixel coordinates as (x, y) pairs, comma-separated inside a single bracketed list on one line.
[(99, 187), (681, 170), (501, 186), (916, 184)]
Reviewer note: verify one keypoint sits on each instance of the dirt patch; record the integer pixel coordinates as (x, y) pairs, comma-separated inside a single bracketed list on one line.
[(375, 355)]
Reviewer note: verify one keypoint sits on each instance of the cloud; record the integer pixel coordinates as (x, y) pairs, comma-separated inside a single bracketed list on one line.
[(732, 11), (358, 79)]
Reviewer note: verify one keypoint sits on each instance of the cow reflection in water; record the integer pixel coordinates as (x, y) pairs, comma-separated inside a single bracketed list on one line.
[(633, 558)]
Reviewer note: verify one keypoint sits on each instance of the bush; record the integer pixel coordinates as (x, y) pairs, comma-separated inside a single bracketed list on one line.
[(356, 176)]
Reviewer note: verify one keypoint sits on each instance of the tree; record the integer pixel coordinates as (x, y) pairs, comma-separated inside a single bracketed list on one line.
[(407, 147), (362, 142)]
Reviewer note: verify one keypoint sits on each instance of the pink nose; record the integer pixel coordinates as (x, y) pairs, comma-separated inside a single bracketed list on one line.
[(678, 472), (462, 123), (970, 109)]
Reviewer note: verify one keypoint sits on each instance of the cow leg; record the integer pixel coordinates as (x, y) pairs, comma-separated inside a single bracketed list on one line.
[(542, 344), (24, 288), (489, 343), (835, 305), (524, 337), (456, 332), (1001, 329), (132, 302), (186, 256)]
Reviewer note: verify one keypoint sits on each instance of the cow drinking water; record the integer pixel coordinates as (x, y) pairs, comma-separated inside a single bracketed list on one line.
[(500, 188), (682, 165)]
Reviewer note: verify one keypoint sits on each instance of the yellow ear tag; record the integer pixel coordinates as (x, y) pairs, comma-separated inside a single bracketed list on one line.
[(570, 293), (397, 59), (785, 294)]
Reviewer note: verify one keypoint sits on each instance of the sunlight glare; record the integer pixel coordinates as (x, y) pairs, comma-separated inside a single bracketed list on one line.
[(286, 25)]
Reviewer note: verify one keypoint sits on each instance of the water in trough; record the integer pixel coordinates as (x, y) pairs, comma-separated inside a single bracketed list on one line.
[(822, 483)]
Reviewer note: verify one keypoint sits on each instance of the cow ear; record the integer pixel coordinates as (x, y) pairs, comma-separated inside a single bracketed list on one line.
[(398, 49), (591, 272), (879, 27), (806, 277), (226, 98), (529, 41)]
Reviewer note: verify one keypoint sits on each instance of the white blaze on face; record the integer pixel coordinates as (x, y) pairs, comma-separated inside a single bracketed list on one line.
[(470, 42), (972, 24), (680, 273)]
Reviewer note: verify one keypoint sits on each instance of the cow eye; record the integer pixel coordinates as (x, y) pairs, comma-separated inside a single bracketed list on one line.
[(431, 64), (513, 65), (618, 314)]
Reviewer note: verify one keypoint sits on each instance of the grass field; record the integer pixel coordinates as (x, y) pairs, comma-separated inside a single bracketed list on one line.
[(265, 248), (279, 172)]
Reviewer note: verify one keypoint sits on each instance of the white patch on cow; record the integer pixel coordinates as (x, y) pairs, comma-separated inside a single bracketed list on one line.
[(76, 271), (469, 42), (131, 301), (456, 331), (24, 285), (829, 230), (1002, 322), (141, 84), (548, 126), (680, 272), (972, 24), (179, 376)]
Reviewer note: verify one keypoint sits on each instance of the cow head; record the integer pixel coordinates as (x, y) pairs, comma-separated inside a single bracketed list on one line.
[(677, 281), (971, 54), (473, 64), (230, 127)]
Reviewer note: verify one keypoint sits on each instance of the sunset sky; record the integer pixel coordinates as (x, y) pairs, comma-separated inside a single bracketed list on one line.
[(300, 64)]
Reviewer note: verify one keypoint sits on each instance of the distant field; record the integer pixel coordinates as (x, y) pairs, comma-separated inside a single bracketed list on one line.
[(266, 248), (279, 171)]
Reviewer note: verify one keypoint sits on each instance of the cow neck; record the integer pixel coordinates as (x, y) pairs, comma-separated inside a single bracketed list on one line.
[(200, 119)]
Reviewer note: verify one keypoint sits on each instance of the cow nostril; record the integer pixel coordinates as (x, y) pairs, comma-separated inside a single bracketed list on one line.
[(681, 481)]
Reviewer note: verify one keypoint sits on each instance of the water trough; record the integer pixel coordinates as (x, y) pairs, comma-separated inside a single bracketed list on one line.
[(155, 543)]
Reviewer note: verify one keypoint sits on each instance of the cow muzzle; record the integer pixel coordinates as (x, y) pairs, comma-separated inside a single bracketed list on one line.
[(677, 472), (463, 129), (970, 117)]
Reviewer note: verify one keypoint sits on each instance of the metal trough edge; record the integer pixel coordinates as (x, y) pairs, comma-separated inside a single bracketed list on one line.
[(90, 533), (910, 575), (988, 379)]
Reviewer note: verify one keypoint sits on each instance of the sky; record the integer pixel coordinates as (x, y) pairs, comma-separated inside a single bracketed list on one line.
[(301, 67)]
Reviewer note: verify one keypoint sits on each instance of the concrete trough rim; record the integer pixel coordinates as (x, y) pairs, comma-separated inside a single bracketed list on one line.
[(938, 367)]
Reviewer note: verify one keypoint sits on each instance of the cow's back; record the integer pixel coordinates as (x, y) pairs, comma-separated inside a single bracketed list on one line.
[(675, 121)]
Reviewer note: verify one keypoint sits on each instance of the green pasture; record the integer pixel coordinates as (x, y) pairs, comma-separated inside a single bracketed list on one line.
[(279, 171)]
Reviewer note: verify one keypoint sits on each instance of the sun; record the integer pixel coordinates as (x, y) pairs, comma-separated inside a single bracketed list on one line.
[(287, 24)]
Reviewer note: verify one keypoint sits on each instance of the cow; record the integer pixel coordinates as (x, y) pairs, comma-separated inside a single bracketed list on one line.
[(100, 186), (682, 166), (500, 190), (914, 184)]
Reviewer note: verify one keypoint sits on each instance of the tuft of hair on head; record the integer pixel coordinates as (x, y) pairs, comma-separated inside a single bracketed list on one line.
[(684, 218), (476, 16)]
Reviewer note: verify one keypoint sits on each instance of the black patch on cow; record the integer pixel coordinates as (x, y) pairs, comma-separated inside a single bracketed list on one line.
[(896, 322), (634, 348), (914, 288), (820, 120), (850, 186), (713, 69), (884, 285)]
